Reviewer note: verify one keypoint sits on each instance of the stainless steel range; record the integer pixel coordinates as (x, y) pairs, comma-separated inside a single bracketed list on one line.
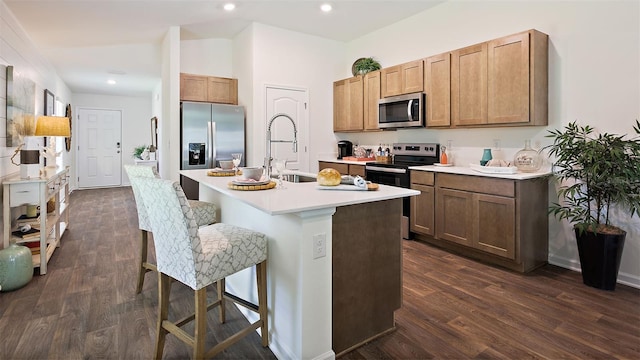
[(396, 173)]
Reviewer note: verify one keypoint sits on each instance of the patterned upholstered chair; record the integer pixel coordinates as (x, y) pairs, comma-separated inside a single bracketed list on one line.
[(198, 257), (204, 212)]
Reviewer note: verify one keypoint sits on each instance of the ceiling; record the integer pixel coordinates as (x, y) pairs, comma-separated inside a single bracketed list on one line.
[(89, 41)]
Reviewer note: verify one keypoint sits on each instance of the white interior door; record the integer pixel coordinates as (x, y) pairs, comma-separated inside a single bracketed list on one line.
[(99, 148), (292, 102)]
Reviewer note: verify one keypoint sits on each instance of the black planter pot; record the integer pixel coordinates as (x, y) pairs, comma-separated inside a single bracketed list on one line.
[(600, 256)]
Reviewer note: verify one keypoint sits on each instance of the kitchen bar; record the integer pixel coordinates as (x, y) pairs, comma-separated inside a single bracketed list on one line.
[(334, 261)]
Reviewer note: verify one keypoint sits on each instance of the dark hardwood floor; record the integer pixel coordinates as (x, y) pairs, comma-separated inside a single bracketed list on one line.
[(453, 308)]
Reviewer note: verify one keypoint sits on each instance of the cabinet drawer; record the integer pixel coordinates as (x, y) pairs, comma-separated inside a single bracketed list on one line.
[(478, 184), (422, 177), (20, 194), (343, 169)]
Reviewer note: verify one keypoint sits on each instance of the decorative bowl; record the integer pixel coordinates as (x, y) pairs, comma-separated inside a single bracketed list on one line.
[(254, 173)]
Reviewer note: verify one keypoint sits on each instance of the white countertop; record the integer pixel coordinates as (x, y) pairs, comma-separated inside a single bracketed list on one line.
[(461, 170), (352, 162), (297, 197)]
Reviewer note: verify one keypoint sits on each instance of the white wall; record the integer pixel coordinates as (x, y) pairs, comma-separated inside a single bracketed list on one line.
[(16, 49), (594, 77), (287, 58), (206, 57), (136, 120)]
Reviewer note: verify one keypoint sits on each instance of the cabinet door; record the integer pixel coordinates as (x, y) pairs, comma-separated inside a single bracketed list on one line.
[(343, 169), (357, 170), (469, 85), (494, 225), (340, 105), (193, 87), (222, 90), (391, 81), (438, 88), (454, 216), (412, 77), (355, 118), (508, 79), (422, 210), (371, 97)]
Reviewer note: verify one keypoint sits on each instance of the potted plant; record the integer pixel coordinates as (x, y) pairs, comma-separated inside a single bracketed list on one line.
[(364, 65), (138, 151), (596, 172)]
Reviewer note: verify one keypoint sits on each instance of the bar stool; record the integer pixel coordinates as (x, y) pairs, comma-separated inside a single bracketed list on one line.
[(204, 212), (198, 257)]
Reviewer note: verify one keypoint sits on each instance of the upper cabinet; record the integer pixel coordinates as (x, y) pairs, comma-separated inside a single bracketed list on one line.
[(469, 85), (348, 104), (402, 79), (208, 89), (437, 85), (371, 97), (501, 82)]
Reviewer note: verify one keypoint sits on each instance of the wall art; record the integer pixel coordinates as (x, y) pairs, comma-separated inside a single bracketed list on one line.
[(21, 104)]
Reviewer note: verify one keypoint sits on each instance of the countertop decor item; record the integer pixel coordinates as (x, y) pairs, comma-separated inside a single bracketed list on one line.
[(527, 159), (16, 267), (364, 65), (486, 156), (596, 172)]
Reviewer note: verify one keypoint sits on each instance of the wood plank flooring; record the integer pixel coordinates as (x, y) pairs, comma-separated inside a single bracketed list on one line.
[(453, 308)]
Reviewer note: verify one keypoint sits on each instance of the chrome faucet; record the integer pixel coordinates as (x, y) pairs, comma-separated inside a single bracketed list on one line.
[(267, 158)]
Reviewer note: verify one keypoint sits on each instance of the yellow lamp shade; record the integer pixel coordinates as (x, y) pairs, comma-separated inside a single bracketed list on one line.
[(53, 126)]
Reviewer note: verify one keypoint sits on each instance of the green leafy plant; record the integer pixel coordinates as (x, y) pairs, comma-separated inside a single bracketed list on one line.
[(137, 151), (365, 65), (597, 171)]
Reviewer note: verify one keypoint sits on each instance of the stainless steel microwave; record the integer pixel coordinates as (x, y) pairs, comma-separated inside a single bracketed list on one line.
[(401, 111)]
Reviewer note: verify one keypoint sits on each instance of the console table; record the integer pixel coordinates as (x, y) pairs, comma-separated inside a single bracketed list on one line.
[(52, 184)]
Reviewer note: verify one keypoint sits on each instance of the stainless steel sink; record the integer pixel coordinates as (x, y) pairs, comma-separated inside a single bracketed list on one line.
[(296, 178)]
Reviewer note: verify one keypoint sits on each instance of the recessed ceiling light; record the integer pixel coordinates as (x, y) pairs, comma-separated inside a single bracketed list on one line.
[(326, 7), (229, 6), (111, 82)]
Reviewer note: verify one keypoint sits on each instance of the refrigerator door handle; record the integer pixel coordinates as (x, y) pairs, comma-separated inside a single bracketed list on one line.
[(211, 143)]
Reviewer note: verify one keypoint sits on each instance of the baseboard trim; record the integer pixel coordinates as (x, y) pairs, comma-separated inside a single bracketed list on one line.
[(571, 264)]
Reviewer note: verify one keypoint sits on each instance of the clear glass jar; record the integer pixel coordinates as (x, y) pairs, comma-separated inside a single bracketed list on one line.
[(527, 159)]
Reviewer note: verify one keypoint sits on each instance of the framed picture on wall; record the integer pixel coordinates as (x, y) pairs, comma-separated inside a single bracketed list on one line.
[(49, 102), (154, 132)]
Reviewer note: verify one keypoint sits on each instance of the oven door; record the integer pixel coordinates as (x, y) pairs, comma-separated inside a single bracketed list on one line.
[(388, 175), (394, 177)]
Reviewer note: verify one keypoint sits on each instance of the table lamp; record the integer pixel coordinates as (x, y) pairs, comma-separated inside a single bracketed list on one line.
[(52, 126)]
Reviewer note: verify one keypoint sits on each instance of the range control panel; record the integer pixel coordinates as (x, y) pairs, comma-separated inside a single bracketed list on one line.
[(416, 149)]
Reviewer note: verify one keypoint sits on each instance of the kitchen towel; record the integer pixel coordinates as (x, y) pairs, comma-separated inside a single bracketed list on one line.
[(354, 180)]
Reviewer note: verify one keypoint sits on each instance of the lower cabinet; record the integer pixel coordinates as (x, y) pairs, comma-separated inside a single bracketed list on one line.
[(422, 218), (501, 221), (343, 168)]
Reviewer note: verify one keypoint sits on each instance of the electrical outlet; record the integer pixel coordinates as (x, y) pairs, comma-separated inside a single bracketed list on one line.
[(496, 144), (319, 246)]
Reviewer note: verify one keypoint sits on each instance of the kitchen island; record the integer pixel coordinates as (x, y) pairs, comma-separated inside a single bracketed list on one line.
[(334, 261)]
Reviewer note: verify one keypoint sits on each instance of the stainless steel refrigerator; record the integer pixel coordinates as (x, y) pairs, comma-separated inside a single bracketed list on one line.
[(209, 133)]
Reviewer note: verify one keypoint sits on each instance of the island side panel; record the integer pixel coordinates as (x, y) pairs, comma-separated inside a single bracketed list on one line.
[(367, 272)]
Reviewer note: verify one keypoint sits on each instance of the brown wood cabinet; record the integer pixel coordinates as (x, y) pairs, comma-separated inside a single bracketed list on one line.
[(518, 79), (208, 89), (343, 168), (469, 85), (437, 85), (501, 82), (422, 218), (402, 79), (371, 97), (501, 221), (348, 102)]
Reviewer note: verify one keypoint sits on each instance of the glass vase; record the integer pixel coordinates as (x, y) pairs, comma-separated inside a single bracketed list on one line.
[(486, 156), (527, 159)]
